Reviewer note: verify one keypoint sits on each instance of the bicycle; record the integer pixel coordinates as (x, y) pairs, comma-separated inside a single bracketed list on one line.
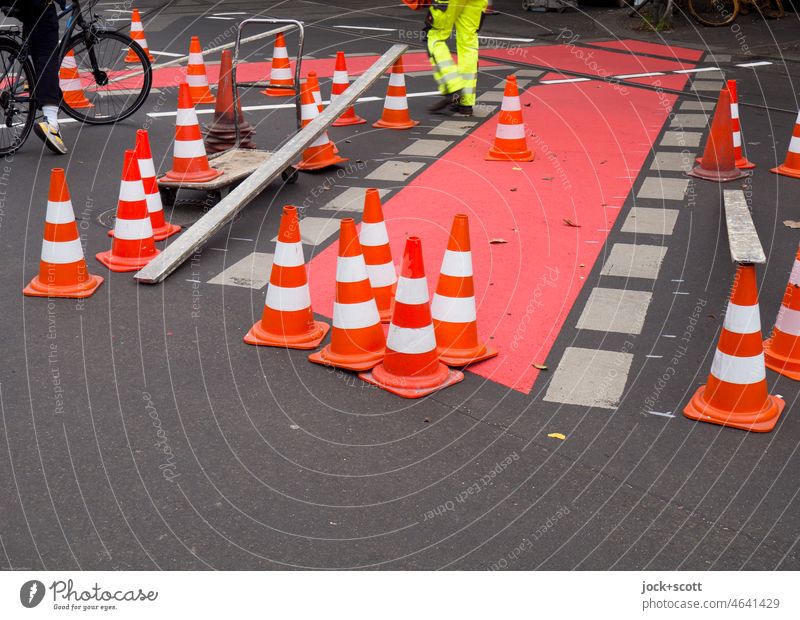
[(115, 74), (707, 12)]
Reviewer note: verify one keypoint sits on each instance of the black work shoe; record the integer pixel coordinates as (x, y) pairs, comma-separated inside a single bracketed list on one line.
[(441, 102), (461, 110), (51, 137)]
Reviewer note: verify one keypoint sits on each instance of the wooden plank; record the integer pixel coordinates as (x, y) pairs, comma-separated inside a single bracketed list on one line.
[(742, 236), (216, 218)]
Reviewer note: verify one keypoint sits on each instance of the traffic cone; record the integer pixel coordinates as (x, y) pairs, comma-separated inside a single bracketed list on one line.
[(161, 228), (320, 153), (196, 76), (411, 366), (453, 308), (221, 134), (782, 349), (791, 165), (395, 107), (718, 162), (378, 254), (189, 161), (489, 10), (340, 83), (62, 268), (287, 320), (281, 82), (510, 143), (741, 161), (137, 34), (736, 392), (133, 245), (70, 82), (357, 340), (311, 78)]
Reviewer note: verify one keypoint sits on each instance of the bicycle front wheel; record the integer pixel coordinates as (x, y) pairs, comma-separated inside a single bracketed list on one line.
[(17, 101), (111, 77), (714, 12)]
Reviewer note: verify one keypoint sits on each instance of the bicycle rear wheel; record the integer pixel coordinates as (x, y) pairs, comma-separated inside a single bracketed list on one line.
[(17, 102), (114, 76), (714, 12)]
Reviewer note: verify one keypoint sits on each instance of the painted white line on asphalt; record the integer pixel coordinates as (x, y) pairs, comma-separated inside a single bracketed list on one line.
[(668, 336), (761, 63), (654, 357), (564, 81), (273, 106), (366, 28), (230, 13), (490, 38), (221, 18), (680, 292), (241, 239), (662, 414), (170, 54), (638, 75), (697, 70)]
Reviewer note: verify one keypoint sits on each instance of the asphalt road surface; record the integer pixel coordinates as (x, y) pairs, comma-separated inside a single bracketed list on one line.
[(140, 432)]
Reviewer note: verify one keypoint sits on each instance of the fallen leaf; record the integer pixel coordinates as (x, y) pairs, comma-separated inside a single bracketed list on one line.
[(547, 178), (569, 222), (539, 366), (581, 265), (527, 105), (513, 189), (560, 436), (791, 223), (497, 241), (516, 168)]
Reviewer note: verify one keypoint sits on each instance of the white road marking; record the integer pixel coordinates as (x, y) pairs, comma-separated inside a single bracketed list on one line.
[(564, 81), (697, 70), (170, 54), (251, 108), (637, 75), (662, 414), (490, 38), (220, 18), (761, 63), (367, 28)]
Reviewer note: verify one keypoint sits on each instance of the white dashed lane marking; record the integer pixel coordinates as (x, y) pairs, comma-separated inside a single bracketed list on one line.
[(252, 271)]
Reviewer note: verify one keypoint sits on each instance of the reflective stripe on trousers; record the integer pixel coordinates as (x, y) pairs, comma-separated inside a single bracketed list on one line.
[(466, 16)]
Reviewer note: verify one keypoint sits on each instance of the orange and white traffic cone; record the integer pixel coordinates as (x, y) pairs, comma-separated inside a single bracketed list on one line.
[(395, 106), (281, 82), (133, 245), (320, 153), (741, 161), (718, 162), (62, 267), (791, 165), (189, 161), (736, 392), (510, 143), (137, 34), (287, 320), (378, 254), (196, 76), (70, 82), (490, 10), (411, 366), (161, 228), (357, 340), (453, 309), (340, 83), (312, 80), (782, 350)]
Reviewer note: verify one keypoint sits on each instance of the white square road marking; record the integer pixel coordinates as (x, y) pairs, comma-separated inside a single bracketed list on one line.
[(697, 121), (315, 230), (452, 128), (644, 221), (663, 189), (705, 106), (251, 272), (491, 96), (615, 310), (682, 139), (351, 199), (627, 260), (481, 110), (425, 148), (704, 86), (590, 377), (395, 170), (531, 73), (673, 161)]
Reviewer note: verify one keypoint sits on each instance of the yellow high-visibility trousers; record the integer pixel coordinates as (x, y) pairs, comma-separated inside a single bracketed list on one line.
[(465, 16)]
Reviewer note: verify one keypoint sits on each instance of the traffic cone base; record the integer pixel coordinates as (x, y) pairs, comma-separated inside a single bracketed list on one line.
[(761, 421), (279, 92), (720, 176), (350, 361), (496, 154), (381, 124), (348, 118), (463, 357), (422, 386), (310, 340), (201, 176), (786, 171), (37, 288), (787, 364), (121, 264), (320, 161), (745, 164)]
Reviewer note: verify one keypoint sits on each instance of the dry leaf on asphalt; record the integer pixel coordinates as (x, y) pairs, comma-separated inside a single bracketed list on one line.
[(560, 436), (539, 366), (569, 222), (497, 241), (791, 223)]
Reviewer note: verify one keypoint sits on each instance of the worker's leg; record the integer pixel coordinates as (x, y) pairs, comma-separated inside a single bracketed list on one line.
[(438, 27), (468, 22)]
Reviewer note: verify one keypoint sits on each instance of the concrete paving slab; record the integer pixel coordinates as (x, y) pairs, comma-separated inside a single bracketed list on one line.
[(250, 272), (452, 128), (629, 260), (662, 188), (706, 86), (425, 148), (351, 200), (689, 121), (590, 377), (705, 106), (646, 221), (673, 161), (615, 310), (491, 95), (395, 170), (315, 230), (681, 138)]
